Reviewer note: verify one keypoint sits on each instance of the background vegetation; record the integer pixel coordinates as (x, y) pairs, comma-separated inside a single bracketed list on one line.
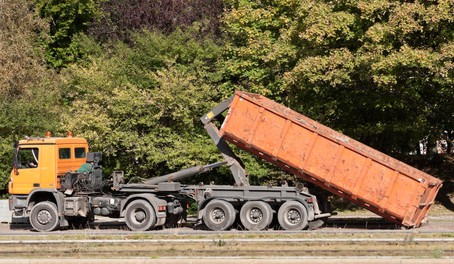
[(133, 77)]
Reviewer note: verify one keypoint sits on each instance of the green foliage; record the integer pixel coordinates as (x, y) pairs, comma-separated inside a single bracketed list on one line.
[(255, 59), (141, 105), (67, 18), (28, 91), (380, 71)]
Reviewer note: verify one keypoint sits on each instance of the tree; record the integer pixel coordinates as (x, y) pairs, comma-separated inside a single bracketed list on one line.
[(141, 106), (380, 71), (122, 17), (29, 92), (66, 19)]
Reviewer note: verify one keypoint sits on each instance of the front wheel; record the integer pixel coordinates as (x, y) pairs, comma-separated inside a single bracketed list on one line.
[(140, 216), (44, 217)]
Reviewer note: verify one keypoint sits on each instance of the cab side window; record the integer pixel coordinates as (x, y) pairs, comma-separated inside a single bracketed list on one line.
[(28, 158), (64, 153), (79, 153)]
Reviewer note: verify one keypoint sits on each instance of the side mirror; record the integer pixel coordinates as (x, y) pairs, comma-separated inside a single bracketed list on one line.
[(15, 158)]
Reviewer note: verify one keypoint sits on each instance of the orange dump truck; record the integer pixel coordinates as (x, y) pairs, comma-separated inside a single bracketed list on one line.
[(329, 159)]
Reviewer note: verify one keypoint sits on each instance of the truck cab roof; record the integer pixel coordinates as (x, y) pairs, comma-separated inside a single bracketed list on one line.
[(53, 141)]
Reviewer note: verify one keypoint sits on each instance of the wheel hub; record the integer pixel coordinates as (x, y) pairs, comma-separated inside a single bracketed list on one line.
[(139, 216), (256, 215), (44, 217), (218, 215), (294, 216)]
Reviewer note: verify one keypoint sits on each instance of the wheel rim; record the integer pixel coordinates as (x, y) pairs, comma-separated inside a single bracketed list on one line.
[(139, 216), (293, 216), (217, 215), (255, 215), (44, 217)]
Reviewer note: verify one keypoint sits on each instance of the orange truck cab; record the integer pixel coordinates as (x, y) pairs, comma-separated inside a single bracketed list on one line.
[(56, 183), (38, 165)]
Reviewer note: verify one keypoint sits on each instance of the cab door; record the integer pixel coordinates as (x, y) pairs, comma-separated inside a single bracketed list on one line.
[(26, 175)]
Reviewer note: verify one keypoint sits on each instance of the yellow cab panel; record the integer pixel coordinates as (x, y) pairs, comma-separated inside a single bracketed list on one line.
[(39, 163)]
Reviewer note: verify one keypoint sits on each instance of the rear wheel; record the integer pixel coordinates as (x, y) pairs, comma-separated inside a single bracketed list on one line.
[(256, 215), (292, 215), (44, 217), (219, 215), (140, 215)]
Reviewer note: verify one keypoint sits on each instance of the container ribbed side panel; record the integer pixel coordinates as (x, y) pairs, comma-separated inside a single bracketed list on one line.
[(333, 161)]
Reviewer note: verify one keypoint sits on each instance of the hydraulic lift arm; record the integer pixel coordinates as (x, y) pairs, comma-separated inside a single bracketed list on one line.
[(234, 163)]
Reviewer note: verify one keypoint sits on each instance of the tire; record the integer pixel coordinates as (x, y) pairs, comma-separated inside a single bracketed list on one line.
[(44, 217), (140, 215), (219, 215), (256, 215), (292, 215)]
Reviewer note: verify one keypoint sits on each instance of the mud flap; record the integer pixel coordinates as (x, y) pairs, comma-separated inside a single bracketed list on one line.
[(313, 225)]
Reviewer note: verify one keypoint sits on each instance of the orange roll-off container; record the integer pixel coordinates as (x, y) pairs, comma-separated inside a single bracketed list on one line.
[(329, 159)]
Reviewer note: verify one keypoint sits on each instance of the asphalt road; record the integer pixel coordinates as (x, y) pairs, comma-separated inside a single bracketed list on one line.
[(335, 224), (347, 239)]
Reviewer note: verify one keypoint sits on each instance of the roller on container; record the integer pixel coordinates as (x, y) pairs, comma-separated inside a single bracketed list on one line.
[(335, 162)]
